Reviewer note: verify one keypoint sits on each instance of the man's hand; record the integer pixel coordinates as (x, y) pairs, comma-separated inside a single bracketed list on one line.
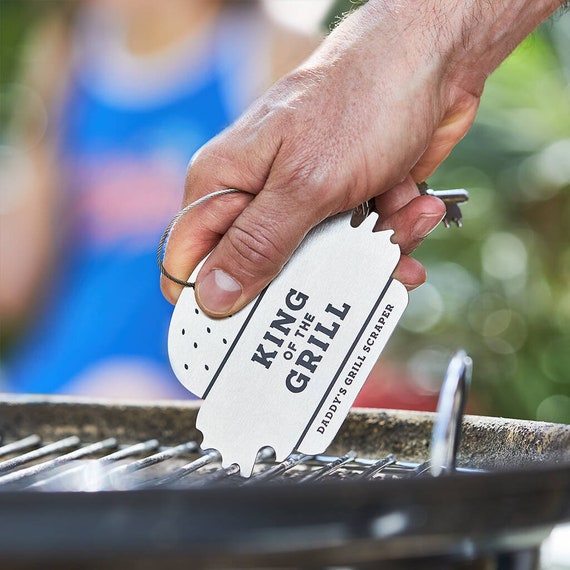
[(377, 108)]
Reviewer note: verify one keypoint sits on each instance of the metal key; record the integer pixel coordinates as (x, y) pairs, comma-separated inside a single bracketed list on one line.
[(451, 199)]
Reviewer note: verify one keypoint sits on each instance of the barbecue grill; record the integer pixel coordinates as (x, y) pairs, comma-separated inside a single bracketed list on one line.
[(87, 484)]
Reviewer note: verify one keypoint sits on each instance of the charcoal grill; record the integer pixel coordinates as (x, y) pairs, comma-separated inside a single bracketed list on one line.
[(87, 484)]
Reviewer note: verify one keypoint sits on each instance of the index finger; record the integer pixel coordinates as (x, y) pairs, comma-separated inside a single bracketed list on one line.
[(194, 234)]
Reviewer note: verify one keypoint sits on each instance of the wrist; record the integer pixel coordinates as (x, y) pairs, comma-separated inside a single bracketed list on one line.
[(466, 40), (480, 35)]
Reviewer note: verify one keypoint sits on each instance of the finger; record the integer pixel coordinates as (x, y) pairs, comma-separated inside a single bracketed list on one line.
[(397, 197), (410, 272), (413, 222), (225, 162), (452, 129), (195, 234)]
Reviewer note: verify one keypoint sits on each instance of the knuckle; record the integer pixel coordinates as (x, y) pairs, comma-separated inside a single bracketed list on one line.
[(208, 161), (254, 249), (198, 168), (169, 290), (310, 184), (202, 158)]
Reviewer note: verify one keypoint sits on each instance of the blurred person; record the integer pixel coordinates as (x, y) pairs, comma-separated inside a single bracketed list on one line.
[(132, 89)]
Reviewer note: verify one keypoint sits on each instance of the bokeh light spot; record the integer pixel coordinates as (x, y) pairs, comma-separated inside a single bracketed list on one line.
[(424, 310), (555, 408), (555, 360), (504, 256)]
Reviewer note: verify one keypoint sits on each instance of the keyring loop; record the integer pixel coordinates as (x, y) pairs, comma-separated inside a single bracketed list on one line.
[(166, 234)]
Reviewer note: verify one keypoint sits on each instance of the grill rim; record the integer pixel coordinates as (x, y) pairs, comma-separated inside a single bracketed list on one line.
[(407, 434), (230, 520)]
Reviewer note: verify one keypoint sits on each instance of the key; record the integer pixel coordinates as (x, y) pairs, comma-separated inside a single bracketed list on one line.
[(451, 199), (361, 212)]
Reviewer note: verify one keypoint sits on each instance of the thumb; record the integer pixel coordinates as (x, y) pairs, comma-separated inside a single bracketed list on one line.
[(258, 243)]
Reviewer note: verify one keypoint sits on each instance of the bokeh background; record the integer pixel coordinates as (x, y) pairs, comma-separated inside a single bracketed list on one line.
[(500, 286)]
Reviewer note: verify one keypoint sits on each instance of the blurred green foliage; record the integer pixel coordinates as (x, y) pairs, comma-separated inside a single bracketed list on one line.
[(17, 18), (500, 286)]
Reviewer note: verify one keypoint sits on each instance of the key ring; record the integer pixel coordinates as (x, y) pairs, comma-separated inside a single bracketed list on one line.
[(173, 222)]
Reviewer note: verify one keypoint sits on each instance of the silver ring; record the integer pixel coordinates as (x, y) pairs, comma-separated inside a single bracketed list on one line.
[(166, 234)]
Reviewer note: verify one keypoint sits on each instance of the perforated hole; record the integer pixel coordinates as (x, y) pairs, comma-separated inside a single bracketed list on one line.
[(201, 345)]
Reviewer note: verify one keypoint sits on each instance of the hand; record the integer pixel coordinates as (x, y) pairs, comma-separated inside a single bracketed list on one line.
[(375, 109)]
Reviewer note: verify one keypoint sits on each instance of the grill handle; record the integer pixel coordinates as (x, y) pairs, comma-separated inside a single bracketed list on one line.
[(451, 404)]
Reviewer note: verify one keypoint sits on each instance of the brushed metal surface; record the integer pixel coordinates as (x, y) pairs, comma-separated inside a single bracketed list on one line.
[(284, 371)]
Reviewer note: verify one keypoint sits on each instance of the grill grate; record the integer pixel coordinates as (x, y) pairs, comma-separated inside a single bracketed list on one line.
[(75, 466), (71, 465)]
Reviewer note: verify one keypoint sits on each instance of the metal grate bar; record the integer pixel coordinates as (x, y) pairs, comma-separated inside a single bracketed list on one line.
[(14, 447), (124, 453), (129, 451), (329, 467), (44, 451), (168, 453), (292, 461), (215, 477), (377, 467), (422, 468), (209, 457), (35, 470)]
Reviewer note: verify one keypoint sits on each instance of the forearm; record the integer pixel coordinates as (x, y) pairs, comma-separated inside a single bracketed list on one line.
[(470, 38), (445, 49), (489, 31)]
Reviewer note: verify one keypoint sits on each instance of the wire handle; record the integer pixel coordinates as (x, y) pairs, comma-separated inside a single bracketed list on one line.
[(166, 234)]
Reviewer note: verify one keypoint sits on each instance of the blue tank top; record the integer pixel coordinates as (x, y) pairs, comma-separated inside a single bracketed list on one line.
[(123, 161)]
